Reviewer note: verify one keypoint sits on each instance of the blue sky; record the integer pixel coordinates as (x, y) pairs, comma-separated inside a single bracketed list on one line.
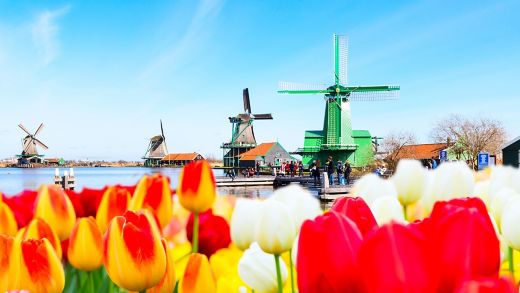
[(100, 74)]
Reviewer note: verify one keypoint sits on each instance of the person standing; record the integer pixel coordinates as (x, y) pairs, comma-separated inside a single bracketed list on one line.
[(348, 169), (257, 168), (300, 169), (291, 168), (330, 170), (339, 171), (434, 163)]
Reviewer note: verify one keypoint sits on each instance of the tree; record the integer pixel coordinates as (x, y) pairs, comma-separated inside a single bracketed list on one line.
[(393, 145), (467, 137)]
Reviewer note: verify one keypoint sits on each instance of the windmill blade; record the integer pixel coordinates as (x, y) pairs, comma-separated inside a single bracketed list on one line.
[(39, 129), (24, 129), (164, 138), (247, 102), (340, 59), (262, 116), (302, 88), (374, 96), (162, 131), (38, 142)]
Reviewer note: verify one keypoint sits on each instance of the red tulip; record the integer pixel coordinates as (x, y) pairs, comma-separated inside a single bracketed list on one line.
[(22, 205), (463, 243), (214, 232), (393, 259), (358, 211), (87, 201), (486, 285), (327, 254)]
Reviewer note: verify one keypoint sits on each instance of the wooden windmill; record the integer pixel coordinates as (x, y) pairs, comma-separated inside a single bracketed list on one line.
[(29, 154), (156, 150)]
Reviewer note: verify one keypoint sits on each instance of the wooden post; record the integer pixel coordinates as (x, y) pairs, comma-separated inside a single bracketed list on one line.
[(57, 179), (71, 180)]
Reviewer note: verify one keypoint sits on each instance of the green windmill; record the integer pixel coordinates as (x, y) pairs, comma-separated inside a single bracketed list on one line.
[(337, 139)]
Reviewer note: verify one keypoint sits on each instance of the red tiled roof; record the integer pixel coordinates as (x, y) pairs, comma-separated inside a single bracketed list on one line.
[(421, 151), (260, 150), (180, 157)]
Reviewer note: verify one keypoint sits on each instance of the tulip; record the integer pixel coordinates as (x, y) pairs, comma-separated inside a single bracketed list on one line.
[(393, 259), (510, 232), (169, 280), (39, 229), (327, 254), (482, 191), (114, 202), (133, 254), (463, 243), (300, 203), (501, 177), (257, 269), (500, 201), (40, 268), (85, 202), (371, 186), (8, 223), (486, 285), (54, 206), (213, 232), (409, 180), (275, 230), (224, 262), (22, 205), (8, 264), (387, 209), (197, 187), (198, 276), (356, 210), (153, 193), (85, 245), (243, 222)]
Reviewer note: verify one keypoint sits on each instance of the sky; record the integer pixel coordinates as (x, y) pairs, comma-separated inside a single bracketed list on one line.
[(101, 74)]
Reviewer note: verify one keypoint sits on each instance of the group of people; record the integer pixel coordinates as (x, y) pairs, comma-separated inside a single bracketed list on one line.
[(291, 168), (343, 171)]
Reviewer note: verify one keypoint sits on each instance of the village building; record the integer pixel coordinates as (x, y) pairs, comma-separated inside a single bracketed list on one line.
[(55, 161), (511, 153), (181, 159), (422, 152), (266, 154)]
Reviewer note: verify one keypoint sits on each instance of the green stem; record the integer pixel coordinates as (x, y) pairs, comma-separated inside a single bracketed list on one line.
[(90, 280), (278, 273), (195, 240), (292, 275), (405, 208), (511, 263)]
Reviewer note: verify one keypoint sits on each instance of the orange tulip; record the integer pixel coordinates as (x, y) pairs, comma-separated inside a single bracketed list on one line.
[(40, 268), (196, 189), (85, 251), (198, 276), (8, 265), (8, 223), (167, 284), (153, 193), (132, 251), (115, 202), (54, 206), (39, 229)]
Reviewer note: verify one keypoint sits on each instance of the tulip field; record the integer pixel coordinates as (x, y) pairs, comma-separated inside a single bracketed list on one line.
[(446, 230)]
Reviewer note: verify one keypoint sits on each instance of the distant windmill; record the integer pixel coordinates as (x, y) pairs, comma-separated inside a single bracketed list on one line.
[(242, 136), (156, 150), (29, 153)]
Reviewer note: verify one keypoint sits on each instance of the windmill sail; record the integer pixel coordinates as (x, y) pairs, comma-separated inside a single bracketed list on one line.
[(30, 142)]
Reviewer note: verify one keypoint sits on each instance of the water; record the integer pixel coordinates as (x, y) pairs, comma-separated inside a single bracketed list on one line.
[(15, 180)]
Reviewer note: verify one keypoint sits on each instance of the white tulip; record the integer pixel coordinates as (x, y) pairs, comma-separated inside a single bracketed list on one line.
[(500, 201), (294, 251), (482, 191), (243, 222), (371, 186), (409, 180), (387, 209), (501, 177), (275, 230), (258, 270), (300, 203), (510, 223)]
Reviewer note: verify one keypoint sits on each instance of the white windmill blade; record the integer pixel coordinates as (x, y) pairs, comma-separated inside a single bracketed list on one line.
[(299, 86), (39, 129), (24, 129), (341, 58), (38, 142), (374, 96)]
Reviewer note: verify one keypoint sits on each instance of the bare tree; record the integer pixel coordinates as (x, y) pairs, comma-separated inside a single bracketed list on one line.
[(393, 144), (467, 137)]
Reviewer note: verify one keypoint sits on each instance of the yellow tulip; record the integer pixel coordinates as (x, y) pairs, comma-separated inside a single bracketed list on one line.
[(40, 268), (154, 193), (39, 229), (198, 276), (55, 207), (8, 263), (167, 284), (85, 251), (8, 223), (115, 202), (197, 187), (134, 256)]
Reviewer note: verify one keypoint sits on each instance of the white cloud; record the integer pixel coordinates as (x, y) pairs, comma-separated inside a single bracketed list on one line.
[(45, 31)]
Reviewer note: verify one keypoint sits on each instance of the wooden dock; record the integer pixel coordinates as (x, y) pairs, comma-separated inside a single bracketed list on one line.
[(243, 182)]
